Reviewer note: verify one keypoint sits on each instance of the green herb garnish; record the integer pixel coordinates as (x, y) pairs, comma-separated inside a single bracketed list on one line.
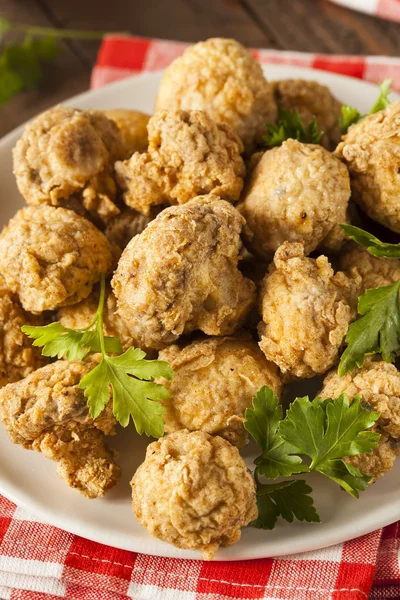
[(290, 126), (351, 115), (374, 246), (129, 375)]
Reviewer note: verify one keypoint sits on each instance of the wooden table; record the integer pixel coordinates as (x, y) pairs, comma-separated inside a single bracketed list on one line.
[(303, 25)]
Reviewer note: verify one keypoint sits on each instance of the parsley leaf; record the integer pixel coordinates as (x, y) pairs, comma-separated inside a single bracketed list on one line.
[(262, 422), (377, 331), (351, 115), (374, 246), (290, 126), (328, 430), (134, 395), (287, 499)]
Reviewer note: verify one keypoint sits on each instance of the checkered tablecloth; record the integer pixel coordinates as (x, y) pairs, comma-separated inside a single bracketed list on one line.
[(40, 562)]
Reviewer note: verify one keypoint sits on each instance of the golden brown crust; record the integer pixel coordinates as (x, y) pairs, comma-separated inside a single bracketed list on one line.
[(311, 99), (214, 382), (296, 192), (52, 257), (194, 491), (123, 227), (375, 272), (378, 462), (221, 77), (371, 151), (181, 275), (188, 155), (66, 157), (47, 412), (132, 125), (306, 312)]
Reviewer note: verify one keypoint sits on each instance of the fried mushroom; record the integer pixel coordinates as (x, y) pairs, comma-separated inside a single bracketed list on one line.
[(311, 99), (132, 125), (181, 275), (188, 155), (221, 77), (52, 257), (306, 311), (123, 227), (47, 412), (371, 151), (66, 157), (194, 491), (374, 271), (297, 193), (214, 382)]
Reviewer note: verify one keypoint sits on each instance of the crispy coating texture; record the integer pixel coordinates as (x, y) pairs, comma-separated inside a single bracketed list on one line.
[(311, 99), (194, 491), (297, 193), (51, 257), (123, 227), (47, 412), (374, 271), (371, 151), (132, 125), (181, 275), (82, 314), (221, 77), (66, 157), (188, 155), (306, 311), (380, 460), (378, 382), (214, 382), (18, 357)]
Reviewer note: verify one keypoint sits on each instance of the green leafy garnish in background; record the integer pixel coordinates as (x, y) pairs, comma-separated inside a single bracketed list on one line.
[(325, 431), (129, 376), (290, 126), (351, 115), (22, 60), (374, 246)]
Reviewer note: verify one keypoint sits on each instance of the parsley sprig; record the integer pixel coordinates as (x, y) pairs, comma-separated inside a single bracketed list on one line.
[(129, 375), (324, 432), (351, 115), (290, 126)]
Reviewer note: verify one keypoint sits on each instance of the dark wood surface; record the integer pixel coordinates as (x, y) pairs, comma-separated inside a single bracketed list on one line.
[(303, 25)]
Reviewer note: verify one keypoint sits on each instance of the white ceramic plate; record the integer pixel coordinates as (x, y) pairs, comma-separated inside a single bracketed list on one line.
[(30, 480)]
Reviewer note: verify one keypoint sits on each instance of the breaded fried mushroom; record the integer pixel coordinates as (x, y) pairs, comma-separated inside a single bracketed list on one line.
[(132, 125), (374, 271), (311, 99), (371, 151), (18, 358), (82, 314), (181, 275), (221, 77), (66, 157), (52, 257), (378, 384), (47, 412), (194, 491), (214, 382), (188, 155), (306, 312), (123, 227), (297, 193)]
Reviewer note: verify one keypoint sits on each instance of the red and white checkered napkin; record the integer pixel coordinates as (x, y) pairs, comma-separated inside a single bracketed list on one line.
[(40, 562), (386, 9)]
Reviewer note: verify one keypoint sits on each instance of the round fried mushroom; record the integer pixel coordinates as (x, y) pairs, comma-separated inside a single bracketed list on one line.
[(310, 100), (381, 460), (18, 358), (214, 382), (371, 151), (52, 257), (297, 193), (306, 311), (132, 125), (47, 412), (374, 271), (188, 155), (66, 157), (181, 275), (221, 77), (123, 227), (194, 491)]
